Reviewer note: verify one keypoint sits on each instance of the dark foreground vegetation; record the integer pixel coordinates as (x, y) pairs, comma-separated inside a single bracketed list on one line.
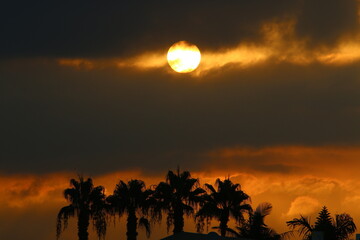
[(181, 195)]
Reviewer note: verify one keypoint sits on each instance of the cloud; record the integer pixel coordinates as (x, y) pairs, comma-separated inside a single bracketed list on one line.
[(326, 22), (22, 191), (322, 161), (303, 205), (77, 63), (57, 118), (19, 191), (279, 44)]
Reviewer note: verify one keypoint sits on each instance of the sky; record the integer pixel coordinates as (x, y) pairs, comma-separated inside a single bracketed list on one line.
[(85, 88)]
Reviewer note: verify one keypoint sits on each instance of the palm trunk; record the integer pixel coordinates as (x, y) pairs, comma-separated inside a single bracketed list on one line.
[(223, 224), (83, 225), (178, 220), (131, 225)]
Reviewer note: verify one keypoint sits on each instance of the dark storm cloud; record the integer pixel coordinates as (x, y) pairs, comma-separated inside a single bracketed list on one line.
[(118, 28), (56, 118)]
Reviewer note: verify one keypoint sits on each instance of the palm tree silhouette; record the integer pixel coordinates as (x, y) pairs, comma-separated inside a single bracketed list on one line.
[(339, 228), (179, 195), (255, 228), (225, 202), (133, 199), (86, 201)]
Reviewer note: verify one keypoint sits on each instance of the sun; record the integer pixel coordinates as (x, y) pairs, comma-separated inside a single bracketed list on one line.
[(183, 57)]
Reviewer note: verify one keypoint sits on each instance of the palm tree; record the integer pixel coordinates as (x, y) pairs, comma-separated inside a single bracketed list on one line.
[(179, 195), (255, 228), (339, 228), (86, 202), (225, 202), (133, 199)]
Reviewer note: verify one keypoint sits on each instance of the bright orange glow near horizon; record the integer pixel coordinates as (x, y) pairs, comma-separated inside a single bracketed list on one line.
[(303, 190)]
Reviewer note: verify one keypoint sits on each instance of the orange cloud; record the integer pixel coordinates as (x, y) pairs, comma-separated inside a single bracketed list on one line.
[(319, 176), (78, 63), (303, 205), (20, 191), (345, 53), (279, 44), (144, 61), (314, 170), (321, 161)]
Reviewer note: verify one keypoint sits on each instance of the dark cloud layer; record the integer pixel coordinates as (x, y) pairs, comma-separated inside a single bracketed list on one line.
[(118, 28), (324, 21), (56, 118)]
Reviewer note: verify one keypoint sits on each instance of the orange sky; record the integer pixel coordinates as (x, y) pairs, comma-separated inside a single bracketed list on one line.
[(317, 176)]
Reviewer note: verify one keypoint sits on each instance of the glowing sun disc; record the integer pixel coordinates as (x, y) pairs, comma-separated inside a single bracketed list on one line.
[(183, 57)]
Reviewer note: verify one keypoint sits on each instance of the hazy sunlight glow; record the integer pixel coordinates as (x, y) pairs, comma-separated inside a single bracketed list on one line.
[(183, 57)]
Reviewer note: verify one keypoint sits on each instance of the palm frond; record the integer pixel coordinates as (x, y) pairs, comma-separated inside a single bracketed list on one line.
[(210, 187), (229, 231), (286, 235), (62, 219), (344, 226), (72, 195), (144, 223), (100, 224), (302, 225), (264, 209)]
